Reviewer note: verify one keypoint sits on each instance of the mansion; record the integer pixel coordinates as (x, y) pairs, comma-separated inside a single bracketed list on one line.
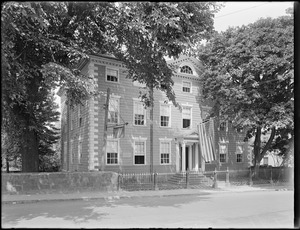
[(176, 144)]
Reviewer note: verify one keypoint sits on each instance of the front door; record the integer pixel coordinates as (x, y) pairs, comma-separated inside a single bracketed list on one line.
[(186, 158)]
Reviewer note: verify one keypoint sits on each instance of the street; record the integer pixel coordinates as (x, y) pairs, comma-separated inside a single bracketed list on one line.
[(259, 209)]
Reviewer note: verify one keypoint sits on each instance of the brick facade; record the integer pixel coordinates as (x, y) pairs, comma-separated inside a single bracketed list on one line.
[(83, 126)]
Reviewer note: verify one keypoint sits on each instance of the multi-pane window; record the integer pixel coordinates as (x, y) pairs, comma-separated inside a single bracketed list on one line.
[(112, 152), (112, 75), (139, 152), (240, 129), (265, 160), (239, 153), (165, 152), (113, 110), (223, 150), (186, 69), (186, 117), (139, 113), (65, 151), (223, 126), (186, 86), (71, 151), (80, 115), (165, 114), (79, 150)]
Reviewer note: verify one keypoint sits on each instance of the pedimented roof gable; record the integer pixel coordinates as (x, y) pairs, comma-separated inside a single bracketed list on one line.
[(192, 62)]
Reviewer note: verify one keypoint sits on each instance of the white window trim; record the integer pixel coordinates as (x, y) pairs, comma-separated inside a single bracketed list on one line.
[(226, 155), (65, 148), (189, 65), (145, 114), (170, 112), (236, 152), (79, 152), (191, 124), (190, 87), (139, 139), (168, 140), (118, 146), (112, 68)]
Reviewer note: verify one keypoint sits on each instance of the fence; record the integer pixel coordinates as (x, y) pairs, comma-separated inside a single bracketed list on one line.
[(203, 180)]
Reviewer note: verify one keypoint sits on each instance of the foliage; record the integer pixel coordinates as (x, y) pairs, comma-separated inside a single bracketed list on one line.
[(44, 44), (250, 76)]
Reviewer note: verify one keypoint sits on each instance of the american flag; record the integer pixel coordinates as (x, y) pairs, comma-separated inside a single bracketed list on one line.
[(206, 140)]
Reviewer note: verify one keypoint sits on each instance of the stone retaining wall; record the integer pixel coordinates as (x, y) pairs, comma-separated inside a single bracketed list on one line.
[(61, 182)]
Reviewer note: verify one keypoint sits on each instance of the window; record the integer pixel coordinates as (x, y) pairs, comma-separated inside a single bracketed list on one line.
[(165, 149), (239, 153), (186, 69), (223, 126), (113, 110), (65, 152), (139, 113), (112, 152), (79, 150), (80, 113), (139, 152), (112, 75), (71, 151), (165, 113), (239, 130), (223, 150), (186, 117), (266, 160), (186, 86)]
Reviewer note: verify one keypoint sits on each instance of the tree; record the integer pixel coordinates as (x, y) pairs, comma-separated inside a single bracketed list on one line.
[(250, 76), (43, 43)]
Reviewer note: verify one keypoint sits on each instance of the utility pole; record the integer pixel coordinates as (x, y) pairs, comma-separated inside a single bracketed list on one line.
[(106, 107)]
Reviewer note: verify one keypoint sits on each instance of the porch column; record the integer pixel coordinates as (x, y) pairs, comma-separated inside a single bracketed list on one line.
[(196, 156), (190, 158), (183, 157), (177, 156)]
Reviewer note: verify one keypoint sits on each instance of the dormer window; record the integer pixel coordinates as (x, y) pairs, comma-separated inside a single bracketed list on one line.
[(186, 69)]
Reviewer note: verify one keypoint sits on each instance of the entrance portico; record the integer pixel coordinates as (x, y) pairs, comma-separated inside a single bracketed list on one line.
[(188, 155)]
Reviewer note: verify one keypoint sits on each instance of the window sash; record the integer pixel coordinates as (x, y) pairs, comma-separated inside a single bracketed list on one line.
[(165, 152), (239, 157), (186, 86), (139, 113), (112, 158), (112, 75), (186, 123), (79, 151)]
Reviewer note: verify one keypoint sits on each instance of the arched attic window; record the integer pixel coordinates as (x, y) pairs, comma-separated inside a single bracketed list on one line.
[(186, 69)]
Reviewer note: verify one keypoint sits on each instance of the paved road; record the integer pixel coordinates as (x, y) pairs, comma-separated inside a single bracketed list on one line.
[(270, 209)]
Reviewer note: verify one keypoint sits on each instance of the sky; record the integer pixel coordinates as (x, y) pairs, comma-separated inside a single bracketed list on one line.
[(244, 12)]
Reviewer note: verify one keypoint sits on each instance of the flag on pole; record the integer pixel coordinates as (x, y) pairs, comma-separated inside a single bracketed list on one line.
[(119, 131), (206, 140)]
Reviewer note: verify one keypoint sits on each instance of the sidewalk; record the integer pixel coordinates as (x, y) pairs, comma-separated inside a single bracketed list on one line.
[(23, 198)]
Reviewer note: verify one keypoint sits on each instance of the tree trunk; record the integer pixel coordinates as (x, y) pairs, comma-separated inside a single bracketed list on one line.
[(258, 153), (7, 164), (30, 155)]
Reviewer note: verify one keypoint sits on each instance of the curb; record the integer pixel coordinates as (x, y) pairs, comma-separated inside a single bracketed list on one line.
[(121, 196)]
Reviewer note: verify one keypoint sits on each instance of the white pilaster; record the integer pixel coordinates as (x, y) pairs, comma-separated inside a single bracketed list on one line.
[(183, 157), (177, 157), (196, 156)]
